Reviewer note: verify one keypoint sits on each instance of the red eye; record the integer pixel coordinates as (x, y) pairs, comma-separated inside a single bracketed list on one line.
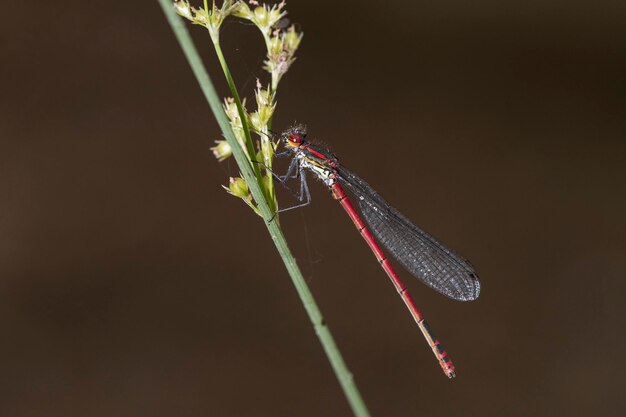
[(296, 139)]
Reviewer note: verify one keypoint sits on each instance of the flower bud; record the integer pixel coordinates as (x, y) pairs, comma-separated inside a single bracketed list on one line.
[(200, 17), (260, 16), (230, 107), (263, 97), (238, 187), (184, 9), (222, 150), (243, 11), (292, 39)]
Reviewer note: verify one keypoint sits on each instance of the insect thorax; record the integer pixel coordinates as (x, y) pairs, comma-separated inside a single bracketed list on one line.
[(322, 172)]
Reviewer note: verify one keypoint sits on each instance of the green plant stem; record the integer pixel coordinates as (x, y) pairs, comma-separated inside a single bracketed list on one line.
[(269, 188), (233, 89), (323, 332)]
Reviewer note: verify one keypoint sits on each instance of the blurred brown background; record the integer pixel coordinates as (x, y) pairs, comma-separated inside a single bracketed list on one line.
[(132, 285)]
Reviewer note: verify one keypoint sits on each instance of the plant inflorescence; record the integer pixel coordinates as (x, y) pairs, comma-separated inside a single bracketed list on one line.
[(281, 44)]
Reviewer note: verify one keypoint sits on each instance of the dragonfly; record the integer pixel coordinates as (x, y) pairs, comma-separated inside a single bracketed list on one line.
[(420, 253)]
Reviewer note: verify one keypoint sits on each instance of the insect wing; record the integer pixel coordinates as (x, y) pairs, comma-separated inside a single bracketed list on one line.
[(421, 254)]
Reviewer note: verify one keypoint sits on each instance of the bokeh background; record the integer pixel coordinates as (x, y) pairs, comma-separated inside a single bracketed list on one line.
[(131, 284)]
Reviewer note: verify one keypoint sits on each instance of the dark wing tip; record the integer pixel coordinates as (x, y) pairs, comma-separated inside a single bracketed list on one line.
[(471, 290)]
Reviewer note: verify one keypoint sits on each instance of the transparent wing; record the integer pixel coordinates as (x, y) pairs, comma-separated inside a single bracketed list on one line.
[(420, 253)]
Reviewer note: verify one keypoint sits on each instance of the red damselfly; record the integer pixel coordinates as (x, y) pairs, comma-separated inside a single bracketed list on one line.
[(421, 254)]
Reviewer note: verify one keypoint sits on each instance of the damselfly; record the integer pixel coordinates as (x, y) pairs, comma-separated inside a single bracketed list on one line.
[(420, 253)]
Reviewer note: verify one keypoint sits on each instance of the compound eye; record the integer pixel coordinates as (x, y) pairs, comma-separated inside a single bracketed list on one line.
[(295, 139)]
